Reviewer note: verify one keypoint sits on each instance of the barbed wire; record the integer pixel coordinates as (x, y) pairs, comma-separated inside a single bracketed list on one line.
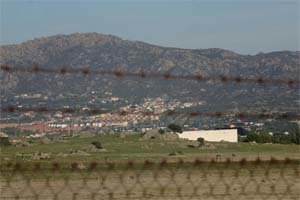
[(215, 179), (258, 115), (167, 76)]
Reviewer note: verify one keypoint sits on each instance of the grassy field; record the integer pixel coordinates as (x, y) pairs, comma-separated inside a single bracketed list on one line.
[(133, 147), (210, 179)]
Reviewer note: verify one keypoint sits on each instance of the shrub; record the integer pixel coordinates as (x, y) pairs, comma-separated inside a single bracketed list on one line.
[(175, 128), (201, 141), (4, 141), (259, 138), (97, 144), (172, 154), (242, 139), (161, 131)]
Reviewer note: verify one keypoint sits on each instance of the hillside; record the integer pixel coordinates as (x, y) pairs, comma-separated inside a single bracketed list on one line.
[(98, 51)]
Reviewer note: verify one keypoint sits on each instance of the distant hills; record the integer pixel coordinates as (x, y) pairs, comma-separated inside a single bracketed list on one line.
[(98, 51)]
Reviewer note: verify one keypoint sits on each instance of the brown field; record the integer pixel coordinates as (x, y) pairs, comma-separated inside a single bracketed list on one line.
[(208, 180)]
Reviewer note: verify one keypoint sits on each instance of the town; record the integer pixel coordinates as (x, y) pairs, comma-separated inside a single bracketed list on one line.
[(150, 114)]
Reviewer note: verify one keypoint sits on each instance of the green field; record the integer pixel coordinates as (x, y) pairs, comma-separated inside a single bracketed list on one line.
[(120, 170), (132, 147)]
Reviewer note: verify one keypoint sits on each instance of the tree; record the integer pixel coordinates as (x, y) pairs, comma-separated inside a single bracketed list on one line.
[(175, 128), (292, 136), (295, 133), (282, 138)]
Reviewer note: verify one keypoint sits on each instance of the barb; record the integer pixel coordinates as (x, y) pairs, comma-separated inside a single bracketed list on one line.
[(261, 115), (120, 74)]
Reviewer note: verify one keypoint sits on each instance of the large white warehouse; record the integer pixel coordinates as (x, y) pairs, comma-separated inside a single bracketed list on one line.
[(228, 135)]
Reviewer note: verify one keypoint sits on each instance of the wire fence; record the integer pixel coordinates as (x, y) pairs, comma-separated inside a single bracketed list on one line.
[(91, 111), (168, 76), (215, 179), (228, 179)]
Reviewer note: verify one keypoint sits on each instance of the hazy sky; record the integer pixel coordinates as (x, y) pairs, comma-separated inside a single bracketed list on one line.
[(244, 26)]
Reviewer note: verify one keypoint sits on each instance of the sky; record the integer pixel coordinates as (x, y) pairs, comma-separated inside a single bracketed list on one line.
[(243, 26)]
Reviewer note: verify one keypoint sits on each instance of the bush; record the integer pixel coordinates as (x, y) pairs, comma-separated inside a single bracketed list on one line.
[(161, 131), (292, 138), (97, 144), (4, 141), (201, 141), (175, 128), (259, 138)]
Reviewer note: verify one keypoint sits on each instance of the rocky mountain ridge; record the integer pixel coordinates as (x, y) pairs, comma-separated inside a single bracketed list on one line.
[(99, 51)]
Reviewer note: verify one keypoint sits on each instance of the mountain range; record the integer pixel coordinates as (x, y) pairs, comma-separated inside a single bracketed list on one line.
[(108, 52)]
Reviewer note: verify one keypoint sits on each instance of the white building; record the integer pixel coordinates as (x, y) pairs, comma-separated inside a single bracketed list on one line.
[(227, 135)]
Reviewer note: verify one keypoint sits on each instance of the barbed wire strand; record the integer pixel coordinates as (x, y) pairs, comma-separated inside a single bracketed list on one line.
[(259, 115), (167, 76)]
